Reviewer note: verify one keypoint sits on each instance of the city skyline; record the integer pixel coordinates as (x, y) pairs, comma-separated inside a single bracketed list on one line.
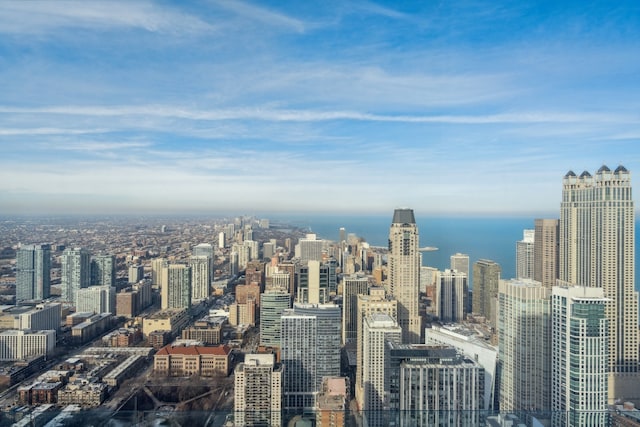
[(168, 107)]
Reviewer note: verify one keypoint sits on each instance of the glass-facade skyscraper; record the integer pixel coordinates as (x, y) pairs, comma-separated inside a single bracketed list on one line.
[(33, 270)]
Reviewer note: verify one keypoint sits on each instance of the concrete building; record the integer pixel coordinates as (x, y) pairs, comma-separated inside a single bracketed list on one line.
[(97, 299), (314, 283), (177, 292), (597, 249), (200, 277), (136, 273), (546, 252), (75, 273), (580, 356), (332, 406), (310, 351), (309, 248), (33, 272), (43, 316), (157, 276), (352, 286), (524, 345), (258, 391), (378, 330), (22, 345), (170, 320), (460, 262), (434, 386), (486, 276), (404, 272), (525, 255)]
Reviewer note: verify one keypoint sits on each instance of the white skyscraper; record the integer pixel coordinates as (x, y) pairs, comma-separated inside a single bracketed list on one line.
[(200, 277), (524, 345), (309, 248), (597, 244), (404, 272), (460, 262), (580, 353), (97, 299), (524, 255)]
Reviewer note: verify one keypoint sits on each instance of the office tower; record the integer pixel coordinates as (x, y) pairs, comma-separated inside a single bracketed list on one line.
[(404, 272), (253, 249), (376, 302), (434, 385), (136, 273), (524, 255), (177, 292), (451, 296), (486, 276), (546, 252), (273, 303), (352, 286), (234, 263), (221, 240), (597, 244), (247, 233), (76, 272), (33, 272), (268, 250), (157, 265), (313, 283), (580, 335), (460, 262), (96, 299), (258, 391), (309, 248), (200, 277), (310, 351), (524, 345), (103, 270), (378, 329)]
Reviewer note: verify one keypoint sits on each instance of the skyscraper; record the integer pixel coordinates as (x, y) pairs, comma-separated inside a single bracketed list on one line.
[(177, 290), (378, 329), (76, 272), (460, 262), (545, 252), (451, 296), (96, 299), (580, 334), (404, 272), (258, 391), (486, 276), (352, 286), (524, 255), (310, 351), (200, 277), (273, 303), (524, 345), (33, 272), (597, 243), (103, 270)]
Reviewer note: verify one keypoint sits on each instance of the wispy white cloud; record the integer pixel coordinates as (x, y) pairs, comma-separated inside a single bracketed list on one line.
[(262, 15), (34, 17), (48, 131)]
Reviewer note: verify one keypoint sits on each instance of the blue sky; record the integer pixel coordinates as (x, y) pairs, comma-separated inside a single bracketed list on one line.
[(462, 107)]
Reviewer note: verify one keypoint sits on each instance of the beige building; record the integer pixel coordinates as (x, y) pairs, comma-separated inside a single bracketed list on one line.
[(258, 391), (545, 252), (404, 273), (195, 360), (332, 402), (167, 320), (486, 276), (597, 244)]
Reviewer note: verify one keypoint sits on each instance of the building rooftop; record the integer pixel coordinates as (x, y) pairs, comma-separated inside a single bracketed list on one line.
[(221, 350), (403, 216)]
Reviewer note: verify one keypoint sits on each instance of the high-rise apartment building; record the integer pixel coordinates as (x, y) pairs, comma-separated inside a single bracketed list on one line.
[(205, 250), (313, 283), (103, 270), (404, 272), (76, 272), (273, 303), (524, 345), (258, 392), (451, 296), (200, 277), (352, 286), (33, 272), (136, 273), (546, 252), (157, 265), (486, 276), (310, 339), (580, 335), (378, 330), (375, 303), (460, 262), (434, 385), (597, 244), (177, 292), (309, 248), (524, 255), (96, 299)]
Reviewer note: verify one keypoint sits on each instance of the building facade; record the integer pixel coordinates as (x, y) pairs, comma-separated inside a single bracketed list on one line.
[(258, 392), (33, 272), (352, 286), (546, 252), (525, 255), (452, 296), (486, 277), (76, 272)]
